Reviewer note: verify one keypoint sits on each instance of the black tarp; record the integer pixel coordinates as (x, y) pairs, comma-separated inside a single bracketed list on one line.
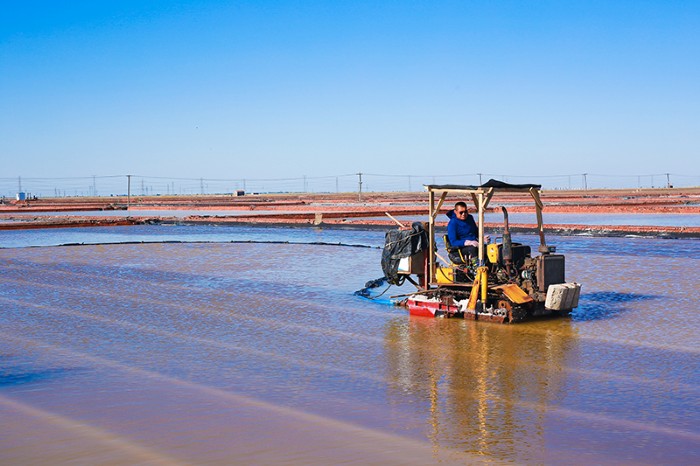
[(399, 244), (489, 184)]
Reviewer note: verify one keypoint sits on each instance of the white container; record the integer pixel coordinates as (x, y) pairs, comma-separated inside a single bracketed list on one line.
[(570, 295), (404, 265), (562, 296), (556, 297), (577, 293)]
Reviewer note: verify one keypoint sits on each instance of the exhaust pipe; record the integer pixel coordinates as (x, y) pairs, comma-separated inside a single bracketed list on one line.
[(507, 248)]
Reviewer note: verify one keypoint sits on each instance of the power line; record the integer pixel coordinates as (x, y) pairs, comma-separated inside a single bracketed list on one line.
[(361, 182)]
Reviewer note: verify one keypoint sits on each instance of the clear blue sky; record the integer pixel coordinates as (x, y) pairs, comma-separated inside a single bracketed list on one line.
[(289, 88)]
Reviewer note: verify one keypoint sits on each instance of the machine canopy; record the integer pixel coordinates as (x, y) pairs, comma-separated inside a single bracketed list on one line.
[(489, 184)]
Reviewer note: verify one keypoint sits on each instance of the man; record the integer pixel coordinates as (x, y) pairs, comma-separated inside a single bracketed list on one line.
[(462, 233)]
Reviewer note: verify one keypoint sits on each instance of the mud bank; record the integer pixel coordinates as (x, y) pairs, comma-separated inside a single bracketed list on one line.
[(627, 199), (348, 210), (12, 223)]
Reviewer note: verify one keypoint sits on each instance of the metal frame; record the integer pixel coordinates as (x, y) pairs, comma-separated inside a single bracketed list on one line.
[(481, 197)]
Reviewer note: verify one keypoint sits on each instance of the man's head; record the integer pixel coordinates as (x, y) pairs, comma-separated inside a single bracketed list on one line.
[(461, 209)]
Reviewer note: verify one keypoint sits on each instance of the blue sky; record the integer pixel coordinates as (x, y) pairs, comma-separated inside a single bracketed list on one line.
[(289, 88)]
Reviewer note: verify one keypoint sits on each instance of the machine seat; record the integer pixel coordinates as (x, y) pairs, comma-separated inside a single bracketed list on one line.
[(454, 254)]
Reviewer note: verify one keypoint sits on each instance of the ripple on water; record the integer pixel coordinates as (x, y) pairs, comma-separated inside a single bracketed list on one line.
[(280, 324)]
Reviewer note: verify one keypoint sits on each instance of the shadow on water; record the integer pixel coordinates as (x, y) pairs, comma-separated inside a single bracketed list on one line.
[(13, 376), (605, 305)]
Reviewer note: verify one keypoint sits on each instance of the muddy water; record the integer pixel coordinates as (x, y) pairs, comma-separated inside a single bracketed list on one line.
[(257, 353)]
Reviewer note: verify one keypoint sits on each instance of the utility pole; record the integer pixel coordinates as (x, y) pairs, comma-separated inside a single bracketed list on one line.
[(201, 185), (479, 178), (128, 191), (668, 180), (585, 182), (336, 185), (94, 186), (359, 187), (304, 180)]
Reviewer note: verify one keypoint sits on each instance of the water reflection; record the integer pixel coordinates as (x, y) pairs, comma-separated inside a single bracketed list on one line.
[(483, 389)]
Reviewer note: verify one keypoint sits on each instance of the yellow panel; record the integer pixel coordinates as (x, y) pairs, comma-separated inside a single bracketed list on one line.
[(514, 293), (492, 252), (445, 275)]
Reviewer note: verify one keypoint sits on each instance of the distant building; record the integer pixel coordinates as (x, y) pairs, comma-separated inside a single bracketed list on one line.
[(239, 192), (21, 196)]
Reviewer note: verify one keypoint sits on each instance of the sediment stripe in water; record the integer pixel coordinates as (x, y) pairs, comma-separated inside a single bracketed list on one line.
[(87, 432), (390, 447), (352, 336), (532, 406)]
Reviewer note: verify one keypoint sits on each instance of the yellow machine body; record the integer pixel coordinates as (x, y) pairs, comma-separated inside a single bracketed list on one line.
[(514, 293), (492, 253), (445, 275)]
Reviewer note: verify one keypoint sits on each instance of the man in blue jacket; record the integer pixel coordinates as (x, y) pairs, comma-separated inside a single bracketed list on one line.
[(462, 233)]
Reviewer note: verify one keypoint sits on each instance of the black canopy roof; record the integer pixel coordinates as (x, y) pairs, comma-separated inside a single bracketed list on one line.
[(489, 184)]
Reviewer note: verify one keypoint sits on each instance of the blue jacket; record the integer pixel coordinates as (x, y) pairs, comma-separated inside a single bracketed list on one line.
[(459, 231)]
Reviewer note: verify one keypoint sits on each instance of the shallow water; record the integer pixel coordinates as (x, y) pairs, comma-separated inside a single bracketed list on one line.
[(258, 353), (190, 233)]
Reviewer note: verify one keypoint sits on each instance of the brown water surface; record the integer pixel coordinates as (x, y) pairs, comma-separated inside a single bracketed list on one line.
[(259, 353)]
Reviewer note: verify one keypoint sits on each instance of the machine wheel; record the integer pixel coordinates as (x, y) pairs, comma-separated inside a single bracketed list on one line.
[(504, 304)]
